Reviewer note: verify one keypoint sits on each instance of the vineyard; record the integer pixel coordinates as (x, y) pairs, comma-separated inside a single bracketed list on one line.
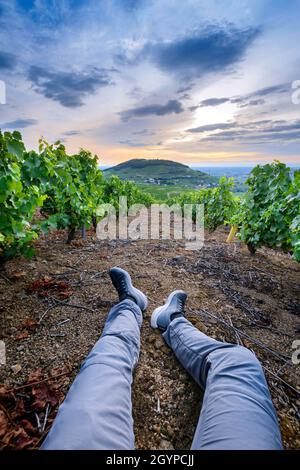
[(66, 190), (55, 291)]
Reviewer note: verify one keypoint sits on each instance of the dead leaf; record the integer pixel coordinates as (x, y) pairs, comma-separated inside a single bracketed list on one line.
[(35, 376), (21, 336), (17, 275), (42, 283), (77, 243), (44, 394), (58, 370), (19, 409), (62, 285), (43, 294), (65, 294), (30, 323), (18, 438), (46, 283), (4, 391), (34, 286), (3, 423), (28, 426)]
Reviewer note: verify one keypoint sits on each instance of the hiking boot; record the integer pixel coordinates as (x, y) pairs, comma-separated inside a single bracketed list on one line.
[(173, 308), (122, 282)]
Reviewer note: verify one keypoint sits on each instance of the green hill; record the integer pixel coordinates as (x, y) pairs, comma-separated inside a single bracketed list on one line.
[(160, 172)]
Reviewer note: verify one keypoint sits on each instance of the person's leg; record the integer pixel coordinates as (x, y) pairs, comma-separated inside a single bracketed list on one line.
[(237, 410), (96, 413)]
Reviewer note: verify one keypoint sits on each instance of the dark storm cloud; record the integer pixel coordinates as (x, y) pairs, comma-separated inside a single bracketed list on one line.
[(19, 124), (172, 106), (211, 50), (68, 88), (7, 61)]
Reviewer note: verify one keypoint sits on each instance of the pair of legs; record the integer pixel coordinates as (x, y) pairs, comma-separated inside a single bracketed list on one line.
[(237, 411)]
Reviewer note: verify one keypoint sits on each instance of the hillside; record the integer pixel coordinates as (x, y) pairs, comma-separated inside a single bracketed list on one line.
[(161, 172), (55, 306)]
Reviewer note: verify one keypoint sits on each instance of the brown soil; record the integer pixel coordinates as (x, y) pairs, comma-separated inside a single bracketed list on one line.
[(259, 295)]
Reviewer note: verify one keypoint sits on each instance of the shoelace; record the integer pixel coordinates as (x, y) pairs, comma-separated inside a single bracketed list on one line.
[(122, 285)]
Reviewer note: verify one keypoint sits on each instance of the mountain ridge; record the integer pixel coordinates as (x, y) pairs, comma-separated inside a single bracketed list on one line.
[(165, 171)]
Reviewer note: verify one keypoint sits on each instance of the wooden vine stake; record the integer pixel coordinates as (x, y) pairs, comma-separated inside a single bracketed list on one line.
[(232, 233)]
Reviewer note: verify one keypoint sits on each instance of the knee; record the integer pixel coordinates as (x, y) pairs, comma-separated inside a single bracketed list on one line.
[(242, 357)]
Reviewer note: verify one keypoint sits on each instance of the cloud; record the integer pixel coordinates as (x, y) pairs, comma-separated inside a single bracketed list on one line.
[(250, 99), (284, 137), (172, 106), (210, 102), (68, 88), (257, 102), (252, 137), (282, 88), (19, 124), (213, 102), (148, 132), (211, 50), (131, 143), (294, 126), (70, 133), (185, 88), (185, 96), (7, 61), (258, 132), (243, 102), (212, 127)]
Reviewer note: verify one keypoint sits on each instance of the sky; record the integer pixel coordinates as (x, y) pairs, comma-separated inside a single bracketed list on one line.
[(195, 81)]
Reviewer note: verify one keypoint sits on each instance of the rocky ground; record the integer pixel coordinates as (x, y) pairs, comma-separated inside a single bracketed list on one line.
[(54, 306)]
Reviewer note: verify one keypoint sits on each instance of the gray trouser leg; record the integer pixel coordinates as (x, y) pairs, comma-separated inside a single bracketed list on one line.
[(97, 412), (237, 410)]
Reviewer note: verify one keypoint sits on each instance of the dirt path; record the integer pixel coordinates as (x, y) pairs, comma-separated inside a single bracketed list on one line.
[(258, 294)]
